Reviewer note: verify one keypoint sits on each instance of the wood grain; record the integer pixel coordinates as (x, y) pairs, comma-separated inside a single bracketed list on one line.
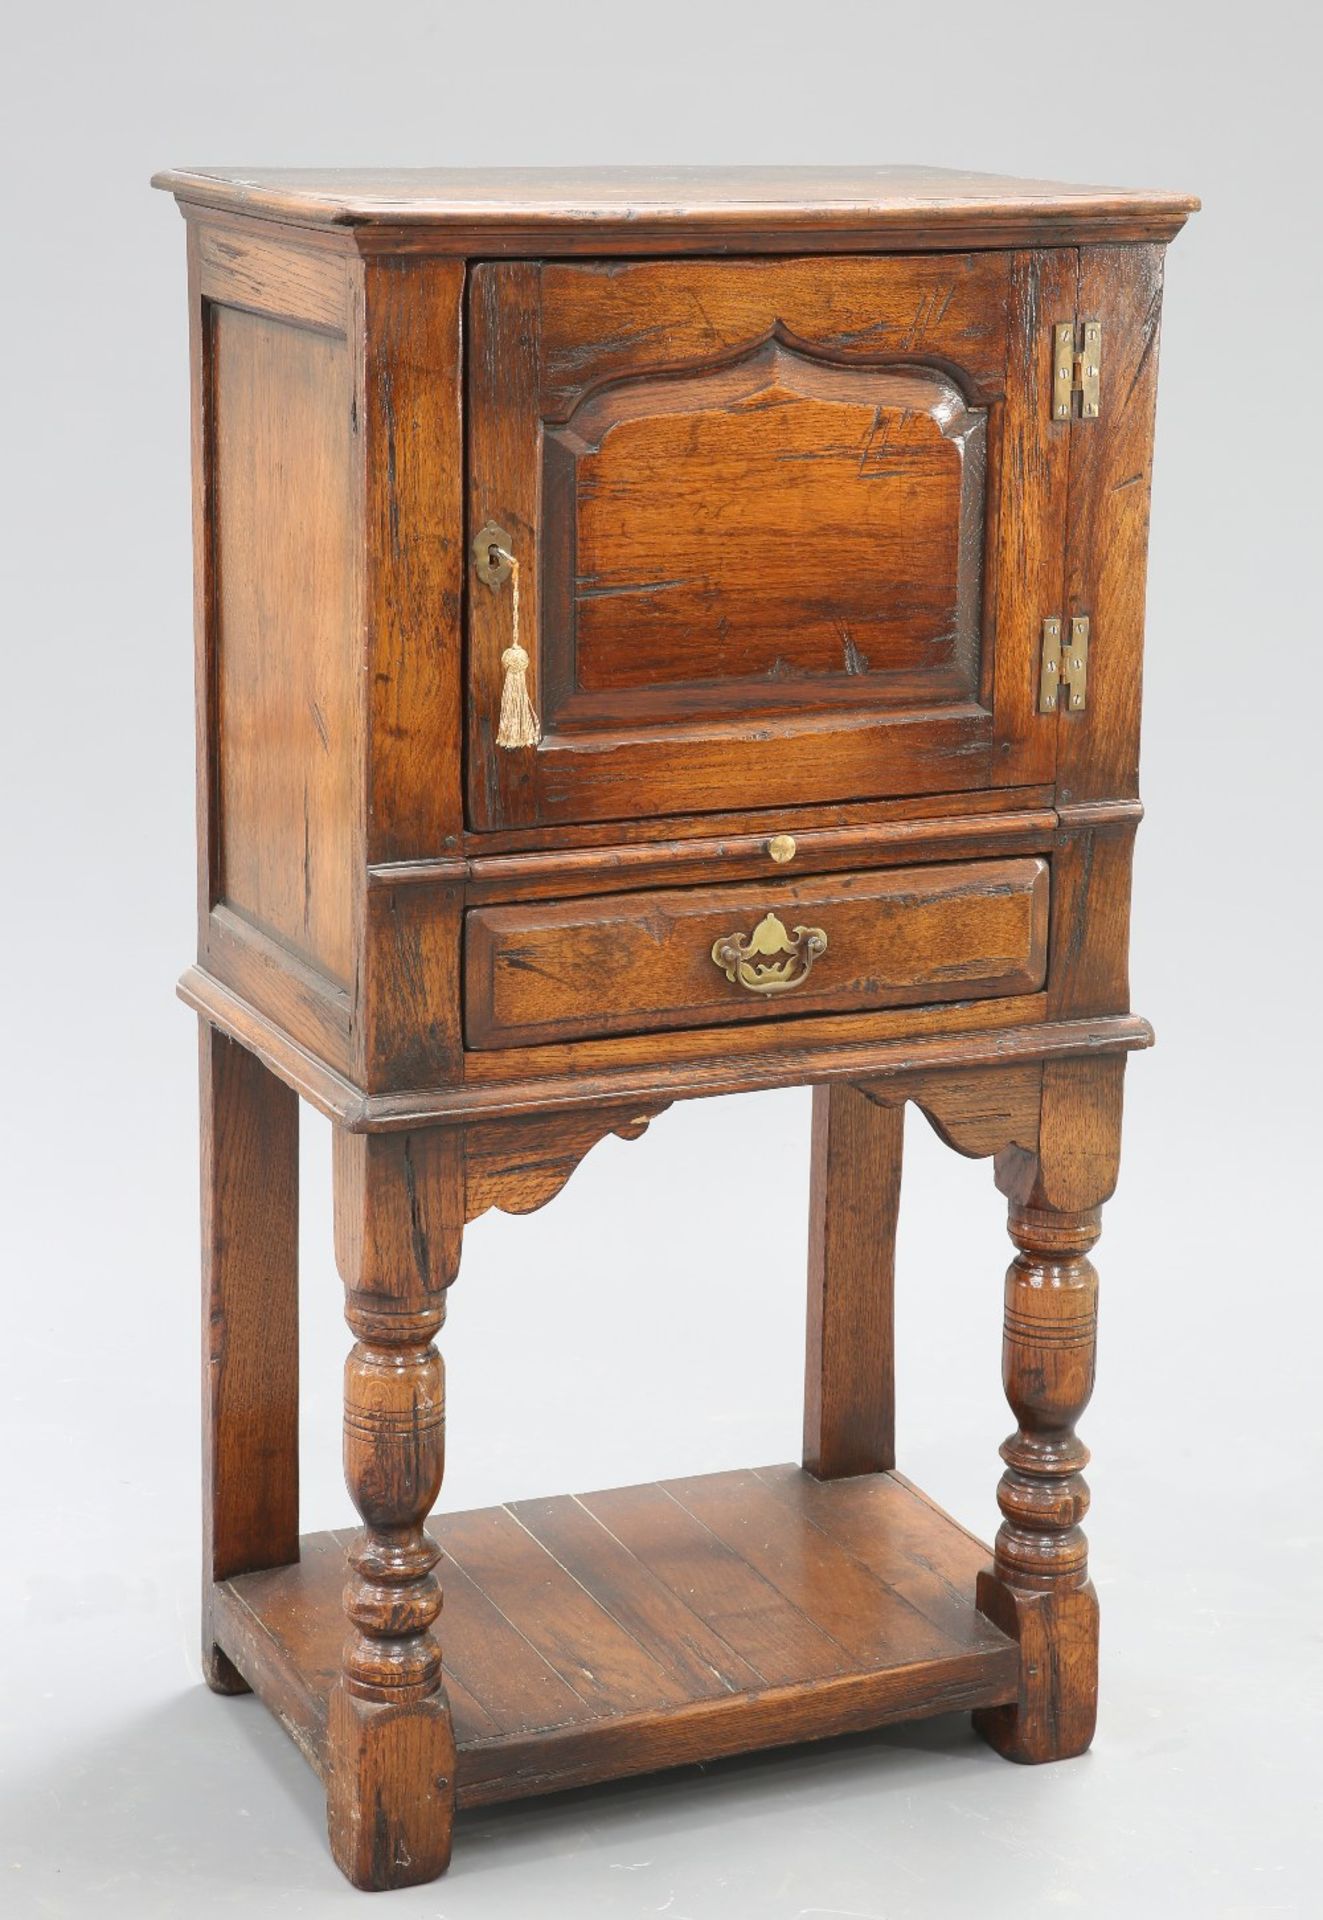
[(571, 1614), (690, 1652), (286, 637), (602, 324), (776, 451), (978, 1110), (518, 1164), (556, 873), (597, 1658), (1107, 552), (250, 1371), (504, 321), (641, 962), (854, 1048), (890, 1538), (409, 1029), (734, 1059), (639, 832), (1038, 1587), (779, 1641), (843, 544), (862, 1616), (748, 501), (685, 209), (854, 1199), (399, 1215), (411, 453), (265, 274), (1106, 567), (1030, 491), (312, 1009)]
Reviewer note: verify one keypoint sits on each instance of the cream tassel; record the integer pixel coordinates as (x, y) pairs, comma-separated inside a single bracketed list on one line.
[(519, 726)]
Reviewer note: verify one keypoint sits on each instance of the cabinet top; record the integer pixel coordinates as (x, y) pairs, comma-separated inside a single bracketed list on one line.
[(566, 210)]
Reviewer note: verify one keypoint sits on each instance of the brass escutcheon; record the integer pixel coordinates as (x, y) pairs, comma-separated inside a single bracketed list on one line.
[(491, 554), (769, 960)]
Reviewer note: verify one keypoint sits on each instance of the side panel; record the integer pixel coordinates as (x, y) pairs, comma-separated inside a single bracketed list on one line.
[(328, 463), (286, 639)]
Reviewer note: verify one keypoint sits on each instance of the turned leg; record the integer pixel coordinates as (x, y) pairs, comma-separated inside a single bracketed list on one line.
[(1038, 1588), (391, 1792), (849, 1421), (250, 1372)]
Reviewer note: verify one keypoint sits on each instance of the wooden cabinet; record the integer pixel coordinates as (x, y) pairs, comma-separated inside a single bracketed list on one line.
[(658, 635)]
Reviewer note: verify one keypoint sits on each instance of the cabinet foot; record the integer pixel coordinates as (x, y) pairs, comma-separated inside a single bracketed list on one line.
[(1054, 1716), (220, 1672), (390, 1797)]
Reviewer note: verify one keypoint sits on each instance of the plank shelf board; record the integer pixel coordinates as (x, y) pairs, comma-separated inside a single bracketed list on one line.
[(588, 1637)]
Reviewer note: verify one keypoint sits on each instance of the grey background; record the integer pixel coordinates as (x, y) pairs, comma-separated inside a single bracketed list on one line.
[(650, 1321)]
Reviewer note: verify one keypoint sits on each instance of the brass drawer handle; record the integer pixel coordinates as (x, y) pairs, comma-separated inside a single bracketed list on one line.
[(769, 960)]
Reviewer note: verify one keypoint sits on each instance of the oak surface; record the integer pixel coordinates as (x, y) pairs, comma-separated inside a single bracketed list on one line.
[(631, 208), (778, 524), (250, 1358), (779, 457), (399, 1214), (285, 641), (850, 1362), (642, 961), (1038, 1587), (653, 1626)]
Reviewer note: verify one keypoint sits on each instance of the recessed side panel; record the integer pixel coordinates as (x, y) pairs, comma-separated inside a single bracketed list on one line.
[(285, 644)]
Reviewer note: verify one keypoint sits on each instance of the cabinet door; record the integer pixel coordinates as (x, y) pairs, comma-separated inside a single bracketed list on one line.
[(787, 529)]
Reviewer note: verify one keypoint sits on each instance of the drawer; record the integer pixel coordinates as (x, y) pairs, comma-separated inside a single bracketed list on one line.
[(698, 957)]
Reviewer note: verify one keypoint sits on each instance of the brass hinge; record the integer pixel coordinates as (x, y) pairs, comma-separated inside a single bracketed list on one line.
[(1068, 667), (1076, 370)]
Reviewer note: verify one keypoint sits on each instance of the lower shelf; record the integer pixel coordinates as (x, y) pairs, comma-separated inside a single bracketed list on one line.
[(617, 1633)]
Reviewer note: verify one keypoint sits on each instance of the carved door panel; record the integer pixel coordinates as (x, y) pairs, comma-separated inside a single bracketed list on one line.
[(787, 530)]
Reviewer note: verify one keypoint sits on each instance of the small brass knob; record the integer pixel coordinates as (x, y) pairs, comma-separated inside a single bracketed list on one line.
[(782, 847)]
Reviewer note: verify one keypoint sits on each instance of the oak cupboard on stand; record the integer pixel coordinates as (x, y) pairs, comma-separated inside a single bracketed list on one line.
[(658, 635)]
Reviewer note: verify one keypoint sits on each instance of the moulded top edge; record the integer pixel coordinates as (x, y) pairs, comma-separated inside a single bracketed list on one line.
[(705, 199)]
